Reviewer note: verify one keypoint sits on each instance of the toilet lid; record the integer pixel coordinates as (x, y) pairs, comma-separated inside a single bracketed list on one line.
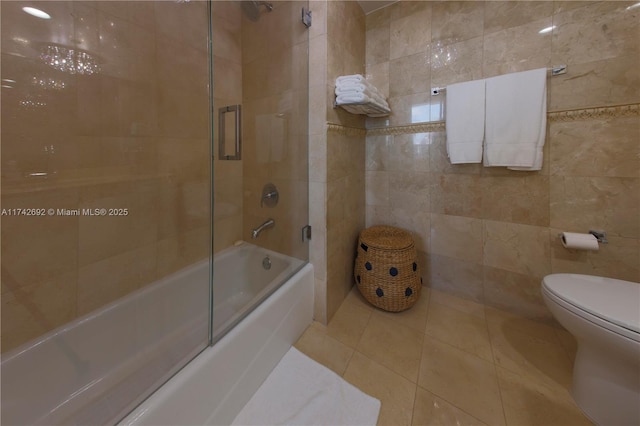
[(612, 300)]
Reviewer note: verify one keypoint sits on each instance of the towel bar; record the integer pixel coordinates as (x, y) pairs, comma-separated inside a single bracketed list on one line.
[(555, 70)]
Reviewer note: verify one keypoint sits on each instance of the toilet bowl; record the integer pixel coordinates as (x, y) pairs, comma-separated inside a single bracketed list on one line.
[(603, 314)]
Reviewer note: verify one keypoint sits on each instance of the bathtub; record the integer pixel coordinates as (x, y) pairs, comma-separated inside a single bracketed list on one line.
[(90, 371)]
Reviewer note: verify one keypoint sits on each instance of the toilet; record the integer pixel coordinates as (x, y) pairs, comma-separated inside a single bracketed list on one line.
[(603, 314)]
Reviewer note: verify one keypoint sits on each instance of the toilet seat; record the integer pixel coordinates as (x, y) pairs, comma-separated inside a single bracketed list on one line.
[(607, 302)]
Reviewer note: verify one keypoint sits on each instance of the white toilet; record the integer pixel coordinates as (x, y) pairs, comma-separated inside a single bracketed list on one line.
[(604, 316)]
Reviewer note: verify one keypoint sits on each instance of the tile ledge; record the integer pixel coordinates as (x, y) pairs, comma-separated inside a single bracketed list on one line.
[(613, 111)]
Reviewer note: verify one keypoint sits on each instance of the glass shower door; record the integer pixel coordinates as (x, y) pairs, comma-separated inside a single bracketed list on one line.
[(106, 203)]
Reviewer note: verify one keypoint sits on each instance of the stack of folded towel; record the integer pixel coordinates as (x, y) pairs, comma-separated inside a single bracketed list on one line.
[(355, 94)]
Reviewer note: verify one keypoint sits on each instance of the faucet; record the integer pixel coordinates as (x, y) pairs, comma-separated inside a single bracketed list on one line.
[(268, 224)]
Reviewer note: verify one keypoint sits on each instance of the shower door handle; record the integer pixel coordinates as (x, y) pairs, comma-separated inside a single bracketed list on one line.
[(222, 133)]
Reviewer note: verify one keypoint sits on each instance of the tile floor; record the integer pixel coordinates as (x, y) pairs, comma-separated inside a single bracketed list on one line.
[(449, 361)]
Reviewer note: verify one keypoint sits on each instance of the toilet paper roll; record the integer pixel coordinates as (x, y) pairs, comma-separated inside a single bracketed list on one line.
[(573, 240)]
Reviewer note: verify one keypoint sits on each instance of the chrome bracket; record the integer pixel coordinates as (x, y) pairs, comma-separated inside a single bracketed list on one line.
[(306, 233), (601, 236), (306, 17)]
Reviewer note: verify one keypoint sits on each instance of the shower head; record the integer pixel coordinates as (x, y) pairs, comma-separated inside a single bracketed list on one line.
[(251, 8)]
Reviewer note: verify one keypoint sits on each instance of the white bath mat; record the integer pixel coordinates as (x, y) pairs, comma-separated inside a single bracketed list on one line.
[(299, 391)]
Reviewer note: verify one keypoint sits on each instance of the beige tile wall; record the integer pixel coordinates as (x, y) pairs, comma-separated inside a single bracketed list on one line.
[(275, 126), (227, 90), (489, 234), (134, 136), (337, 190)]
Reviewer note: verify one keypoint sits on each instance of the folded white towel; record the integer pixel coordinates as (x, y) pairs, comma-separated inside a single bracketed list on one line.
[(359, 87), (516, 120), (465, 121), (354, 78), (347, 95)]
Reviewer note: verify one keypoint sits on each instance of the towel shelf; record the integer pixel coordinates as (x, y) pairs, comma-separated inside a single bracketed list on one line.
[(357, 96), (367, 108)]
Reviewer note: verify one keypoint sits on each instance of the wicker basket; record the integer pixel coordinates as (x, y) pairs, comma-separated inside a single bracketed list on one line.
[(386, 268)]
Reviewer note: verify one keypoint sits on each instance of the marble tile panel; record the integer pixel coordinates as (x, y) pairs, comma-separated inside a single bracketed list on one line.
[(319, 27), (378, 76), (579, 204), (456, 62), (377, 45), (528, 402), (414, 221), (596, 83), (377, 188), (377, 152), (456, 194), (509, 14), (317, 158), (317, 109), (183, 114), (411, 74), (327, 351), (409, 152), (516, 293), (187, 25), (415, 108), (394, 391), (598, 147), (402, 9), (516, 199), (412, 33), (617, 259), (460, 330), (602, 30), (462, 379), (523, 249), (430, 410), (226, 39), (457, 237), (378, 215), (317, 60), (184, 249), (104, 281), (378, 18), (455, 276), (409, 191), (403, 346), (454, 21), (228, 10), (37, 248), (533, 50)]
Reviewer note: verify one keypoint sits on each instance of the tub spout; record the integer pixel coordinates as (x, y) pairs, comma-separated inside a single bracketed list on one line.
[(268, 224)]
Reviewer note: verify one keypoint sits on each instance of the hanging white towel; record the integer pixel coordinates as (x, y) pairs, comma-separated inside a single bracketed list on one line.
[(465, 121), (516, 120)]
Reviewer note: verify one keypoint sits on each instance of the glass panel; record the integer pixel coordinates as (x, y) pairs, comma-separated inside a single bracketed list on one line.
[(260, 56), (106, 216)]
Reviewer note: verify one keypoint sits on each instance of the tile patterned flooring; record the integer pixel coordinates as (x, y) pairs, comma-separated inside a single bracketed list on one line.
[(450, 361)]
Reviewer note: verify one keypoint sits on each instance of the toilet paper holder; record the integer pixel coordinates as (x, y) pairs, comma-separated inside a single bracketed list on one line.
[(601, 236)]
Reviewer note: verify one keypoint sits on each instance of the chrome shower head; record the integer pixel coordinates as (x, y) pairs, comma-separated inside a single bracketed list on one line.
[(251, 8)]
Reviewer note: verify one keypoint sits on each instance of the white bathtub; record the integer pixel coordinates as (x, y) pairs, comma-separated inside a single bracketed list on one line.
[(89, 371)]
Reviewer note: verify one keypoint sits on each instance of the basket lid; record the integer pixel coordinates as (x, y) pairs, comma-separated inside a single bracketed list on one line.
[(386, 237)]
